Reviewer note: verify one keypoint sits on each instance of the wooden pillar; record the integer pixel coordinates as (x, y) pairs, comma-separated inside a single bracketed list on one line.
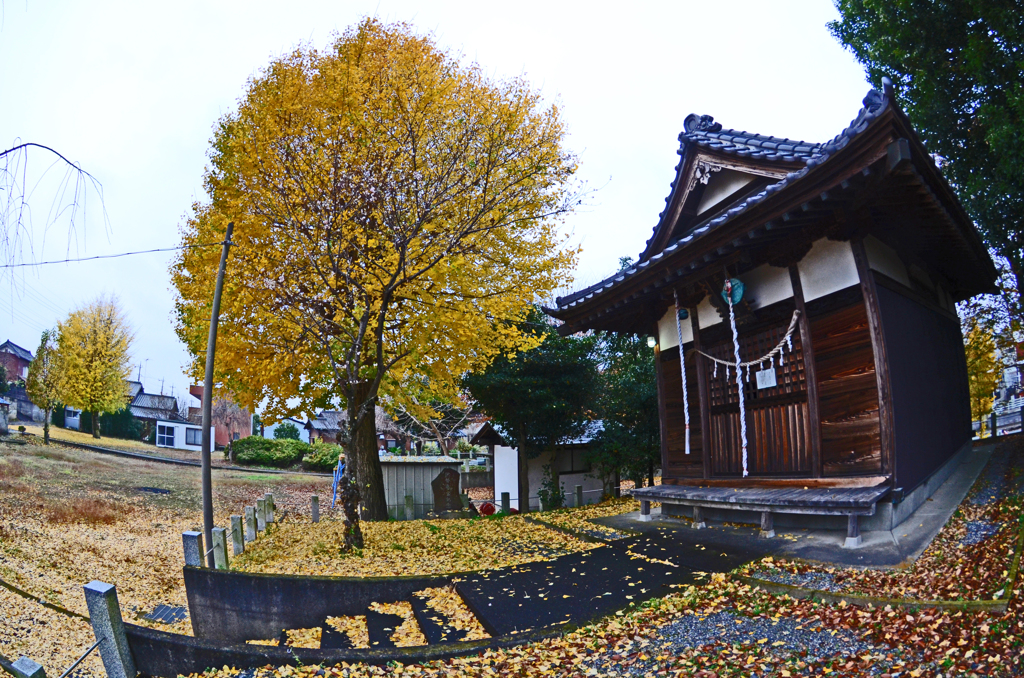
[(702, 394), (885, 414), (810, 373), (662, 411)]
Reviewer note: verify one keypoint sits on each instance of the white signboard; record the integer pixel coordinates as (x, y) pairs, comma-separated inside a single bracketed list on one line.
[(766, 378)]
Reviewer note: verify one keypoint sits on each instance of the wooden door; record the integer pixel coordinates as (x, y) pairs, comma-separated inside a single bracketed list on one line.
[(778, 423)]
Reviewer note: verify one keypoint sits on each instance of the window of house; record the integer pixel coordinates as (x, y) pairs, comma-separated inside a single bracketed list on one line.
[(237, 435), (165, 435), (571, 461), (193, 436)]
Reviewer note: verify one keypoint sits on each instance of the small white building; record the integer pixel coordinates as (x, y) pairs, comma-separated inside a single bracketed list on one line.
[(181, 435), (270, 431), (567, 459), (72, 418)]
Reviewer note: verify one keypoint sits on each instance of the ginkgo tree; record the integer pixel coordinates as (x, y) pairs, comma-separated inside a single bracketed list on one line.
[(395, 214)]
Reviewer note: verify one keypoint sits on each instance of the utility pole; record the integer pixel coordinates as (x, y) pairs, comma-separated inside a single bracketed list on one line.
[(211, 345)]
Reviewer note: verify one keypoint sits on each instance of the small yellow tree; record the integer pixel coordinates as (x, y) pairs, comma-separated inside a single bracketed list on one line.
[(92, 359), (41, 385), (396, 213), (982, 368)]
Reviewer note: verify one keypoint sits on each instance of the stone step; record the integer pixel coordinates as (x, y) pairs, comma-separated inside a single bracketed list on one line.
[(434, 625), (380, 627), (332, 639)]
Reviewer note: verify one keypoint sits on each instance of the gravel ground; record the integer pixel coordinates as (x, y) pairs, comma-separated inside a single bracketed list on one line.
[(822, 581), (978, 531), (732, 629), (995, 479)]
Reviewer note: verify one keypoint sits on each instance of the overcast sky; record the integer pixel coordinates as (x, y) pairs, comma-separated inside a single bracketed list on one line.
[(131, 90)]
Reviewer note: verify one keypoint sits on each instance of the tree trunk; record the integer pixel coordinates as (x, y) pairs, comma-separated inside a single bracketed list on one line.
[(524, 473), (364, 457), (96, 425), (46, 426), (650, 473)]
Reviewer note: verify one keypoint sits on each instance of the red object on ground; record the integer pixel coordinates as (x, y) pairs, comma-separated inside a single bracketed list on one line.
[(513, 510), (487, 509)]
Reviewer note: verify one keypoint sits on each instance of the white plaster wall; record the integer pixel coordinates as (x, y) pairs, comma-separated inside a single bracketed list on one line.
[(506, 475), (884, 259), (766, 285), (707, 315), (827, 268), (593, 488), (536, 471), (721, 185), (667, 336), (179, 435)]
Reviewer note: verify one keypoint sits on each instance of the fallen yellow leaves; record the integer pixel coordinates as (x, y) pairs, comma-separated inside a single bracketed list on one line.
[(408, 634), (398, 548), (449, 603), (354, 627)]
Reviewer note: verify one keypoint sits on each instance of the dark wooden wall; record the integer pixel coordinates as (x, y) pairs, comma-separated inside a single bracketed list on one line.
[(928, 377), (677, 463), (847, 391)]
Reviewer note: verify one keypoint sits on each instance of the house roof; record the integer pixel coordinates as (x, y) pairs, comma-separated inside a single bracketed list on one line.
[(331, 421), (10, 347), (149, 406), (673, 256), (134, 389)]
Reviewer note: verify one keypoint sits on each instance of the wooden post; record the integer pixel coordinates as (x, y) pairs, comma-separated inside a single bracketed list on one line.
[(703, 395), (810, 373), (579, 495), (853, 539), (659, 378), (995, 424), (698, 518), (314, 505), (767, 525), (211, 345), (506, 502), (885, 414)]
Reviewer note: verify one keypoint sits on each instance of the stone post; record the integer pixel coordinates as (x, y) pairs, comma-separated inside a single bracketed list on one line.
[(464, 499), (220, 548), (261, 515), (107, 625), (250, 523), (237, 540), (314, 505), (698, 518), (269, 504), (506, 502), (579, 495), (193, 545), (645, 510), (410, 507), (26, 668), (995, 429), (767, 525)]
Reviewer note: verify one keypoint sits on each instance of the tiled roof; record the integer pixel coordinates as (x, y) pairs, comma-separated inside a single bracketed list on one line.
[(149, 406), (332, 420), (134, 389), (702, 131), (10, 347), (874, 105)]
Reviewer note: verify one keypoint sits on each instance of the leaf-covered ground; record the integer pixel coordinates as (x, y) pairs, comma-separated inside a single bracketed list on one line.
[(579, 519), (414, 547)]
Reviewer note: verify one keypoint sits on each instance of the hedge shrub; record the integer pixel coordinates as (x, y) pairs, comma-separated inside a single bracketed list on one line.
[(260, 451), (323, 457)]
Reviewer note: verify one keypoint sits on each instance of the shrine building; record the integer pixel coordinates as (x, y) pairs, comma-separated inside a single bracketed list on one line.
[(843, 262)]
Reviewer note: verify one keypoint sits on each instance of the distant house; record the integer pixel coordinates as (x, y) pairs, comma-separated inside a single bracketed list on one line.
[(147, 408), (229, 421), (181, 435), (271, 430), (327, 425), (15, 360), (567, 459)]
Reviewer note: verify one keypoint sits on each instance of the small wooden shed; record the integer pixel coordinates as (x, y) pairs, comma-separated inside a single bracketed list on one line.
[(844, 261)]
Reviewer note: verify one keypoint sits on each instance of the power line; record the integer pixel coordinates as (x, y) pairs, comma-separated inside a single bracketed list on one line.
[(110, 256)]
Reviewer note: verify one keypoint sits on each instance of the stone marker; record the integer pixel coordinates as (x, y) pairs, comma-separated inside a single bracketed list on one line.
[(26, 668), (446, 491), (579, 495), (506, 502), (193, 545), (237, 541), (410, 507), (464, 498), (269, 504), (250, 523), (315, 507), (261, 514), (220, 548), (108, 626)]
